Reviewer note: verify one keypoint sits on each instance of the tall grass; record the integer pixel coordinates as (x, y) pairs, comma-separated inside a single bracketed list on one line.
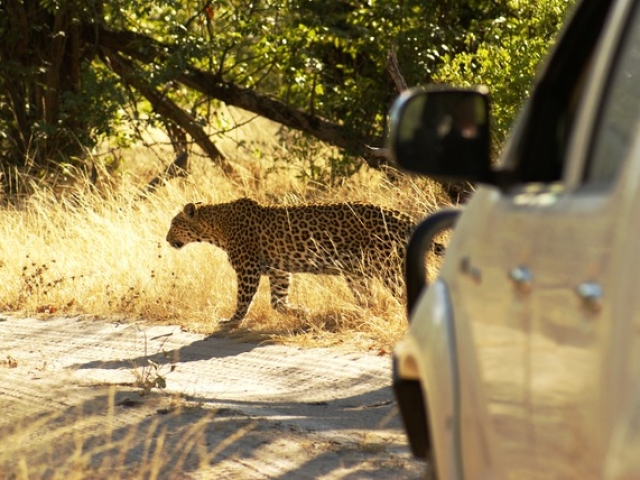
[(100, 250)]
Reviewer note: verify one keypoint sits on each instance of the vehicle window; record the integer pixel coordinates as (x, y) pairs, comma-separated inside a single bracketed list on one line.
[(542, 139), (619, 119)]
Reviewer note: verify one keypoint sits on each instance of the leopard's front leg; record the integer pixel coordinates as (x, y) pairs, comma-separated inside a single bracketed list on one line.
[(248, 274)]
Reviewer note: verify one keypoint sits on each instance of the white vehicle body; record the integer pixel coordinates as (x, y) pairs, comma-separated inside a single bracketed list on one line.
[(526, 350)]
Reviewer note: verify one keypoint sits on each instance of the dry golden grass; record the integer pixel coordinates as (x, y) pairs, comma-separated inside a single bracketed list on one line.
[(101, 251), (89, 441)]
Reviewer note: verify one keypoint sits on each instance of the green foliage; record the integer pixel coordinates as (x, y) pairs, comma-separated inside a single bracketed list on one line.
[(55, 101), (326, 58), (504, 53), (318, 165)]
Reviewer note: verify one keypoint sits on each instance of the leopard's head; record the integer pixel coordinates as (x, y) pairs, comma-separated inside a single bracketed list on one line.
[(185, 227)]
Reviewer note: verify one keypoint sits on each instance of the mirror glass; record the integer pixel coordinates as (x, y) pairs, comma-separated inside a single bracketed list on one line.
[(442, 133)]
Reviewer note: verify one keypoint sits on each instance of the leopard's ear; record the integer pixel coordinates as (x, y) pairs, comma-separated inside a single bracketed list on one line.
[(189, 210)]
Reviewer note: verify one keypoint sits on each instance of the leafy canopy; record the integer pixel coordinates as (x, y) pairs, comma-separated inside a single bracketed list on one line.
[(65, 83)]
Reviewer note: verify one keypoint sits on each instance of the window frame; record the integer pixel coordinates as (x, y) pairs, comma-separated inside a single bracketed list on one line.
[(617, 57), (590, 111), (535, 135)]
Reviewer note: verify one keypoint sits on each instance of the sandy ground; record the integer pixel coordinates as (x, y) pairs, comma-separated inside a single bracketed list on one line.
[(71, 402)]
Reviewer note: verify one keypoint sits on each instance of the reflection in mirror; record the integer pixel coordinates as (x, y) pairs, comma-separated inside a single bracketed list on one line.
[(442, 133)]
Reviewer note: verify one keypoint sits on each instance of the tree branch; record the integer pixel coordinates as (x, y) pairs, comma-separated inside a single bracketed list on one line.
[(393, 67), (394, 70), (148, 51), (166, 107), (457, 191)]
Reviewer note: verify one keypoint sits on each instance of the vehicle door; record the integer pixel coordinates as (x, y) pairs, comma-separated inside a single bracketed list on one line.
[(502, 268), (572, 276)]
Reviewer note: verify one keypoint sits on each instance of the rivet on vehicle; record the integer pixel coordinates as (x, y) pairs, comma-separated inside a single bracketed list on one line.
[(590, 294), (522, 278), (467, 269)]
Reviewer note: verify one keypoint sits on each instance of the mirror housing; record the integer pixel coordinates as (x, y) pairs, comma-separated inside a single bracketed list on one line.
[(443, 133)]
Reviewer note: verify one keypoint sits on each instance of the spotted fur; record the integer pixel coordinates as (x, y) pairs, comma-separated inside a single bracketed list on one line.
[(357, 240)]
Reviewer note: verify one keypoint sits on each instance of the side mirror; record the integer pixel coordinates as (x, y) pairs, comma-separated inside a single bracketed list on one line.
[(443, 133)]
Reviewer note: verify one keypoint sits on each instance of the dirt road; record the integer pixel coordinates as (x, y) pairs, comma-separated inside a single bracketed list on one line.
[(71, 405)]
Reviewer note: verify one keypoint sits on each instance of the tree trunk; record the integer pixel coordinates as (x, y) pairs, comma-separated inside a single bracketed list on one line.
[(41, 59)]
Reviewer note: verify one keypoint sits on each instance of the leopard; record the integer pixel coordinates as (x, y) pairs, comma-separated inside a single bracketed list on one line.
[(357, 240)]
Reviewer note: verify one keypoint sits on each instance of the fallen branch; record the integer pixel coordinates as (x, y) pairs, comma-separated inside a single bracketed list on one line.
[(177, 168)]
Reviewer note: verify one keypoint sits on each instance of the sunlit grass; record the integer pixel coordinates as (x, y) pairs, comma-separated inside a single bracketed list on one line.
[(100, 249)]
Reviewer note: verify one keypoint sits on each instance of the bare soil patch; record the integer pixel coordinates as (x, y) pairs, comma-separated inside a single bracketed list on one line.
[(80, 399)]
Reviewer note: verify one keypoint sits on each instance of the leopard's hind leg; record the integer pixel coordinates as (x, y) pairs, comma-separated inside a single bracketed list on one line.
[(279, 282)]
